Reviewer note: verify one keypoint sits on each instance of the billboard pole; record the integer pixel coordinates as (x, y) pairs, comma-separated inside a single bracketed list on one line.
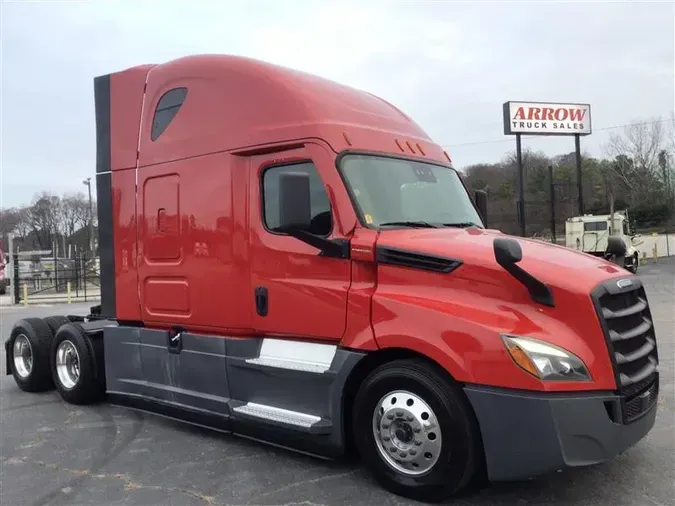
[(545, 118), (577, 149), (521, 187), (552, 202)]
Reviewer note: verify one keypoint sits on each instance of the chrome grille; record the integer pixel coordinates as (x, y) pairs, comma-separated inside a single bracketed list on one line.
[(629, 330), (634, 406)]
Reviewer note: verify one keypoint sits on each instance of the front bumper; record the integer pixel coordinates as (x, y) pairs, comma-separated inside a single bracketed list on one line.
[(529, 434)]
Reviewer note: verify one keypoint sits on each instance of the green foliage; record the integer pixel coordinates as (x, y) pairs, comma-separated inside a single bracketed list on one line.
[(648, 216), (645, 193)]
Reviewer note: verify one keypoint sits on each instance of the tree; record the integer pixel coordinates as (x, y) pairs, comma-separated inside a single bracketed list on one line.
[(636, 156), (22, 228), (9, 219), (75, 212), (43, 217)]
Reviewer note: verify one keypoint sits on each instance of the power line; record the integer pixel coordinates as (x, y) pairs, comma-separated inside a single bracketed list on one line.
[(603, 129)]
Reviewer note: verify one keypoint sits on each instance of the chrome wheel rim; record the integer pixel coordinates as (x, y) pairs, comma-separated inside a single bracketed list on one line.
[(23, 356), (407, 433), (67, 364)]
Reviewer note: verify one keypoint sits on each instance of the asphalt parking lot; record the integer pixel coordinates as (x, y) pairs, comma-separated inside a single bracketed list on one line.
[(53, 453)]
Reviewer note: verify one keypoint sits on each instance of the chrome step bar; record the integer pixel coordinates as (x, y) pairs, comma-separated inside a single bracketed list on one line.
[(270, 413)]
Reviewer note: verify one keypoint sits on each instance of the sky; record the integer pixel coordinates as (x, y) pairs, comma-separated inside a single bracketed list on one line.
[(449, 65)]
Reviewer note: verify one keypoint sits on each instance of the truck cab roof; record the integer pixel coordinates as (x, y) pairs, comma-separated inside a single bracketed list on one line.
[(231, 103)]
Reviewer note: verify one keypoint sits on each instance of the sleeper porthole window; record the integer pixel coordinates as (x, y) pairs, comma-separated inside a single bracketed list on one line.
[(166, 111)]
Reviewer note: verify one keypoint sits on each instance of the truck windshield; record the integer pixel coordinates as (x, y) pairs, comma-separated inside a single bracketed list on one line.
[(398, 192)]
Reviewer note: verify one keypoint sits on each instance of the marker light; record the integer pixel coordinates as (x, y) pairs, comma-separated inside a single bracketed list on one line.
[(545, 361)]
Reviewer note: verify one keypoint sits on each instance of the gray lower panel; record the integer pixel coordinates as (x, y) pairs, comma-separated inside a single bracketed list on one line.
[(138, 361), (283, 388), (528, 434), (240, 378), (122, 351)]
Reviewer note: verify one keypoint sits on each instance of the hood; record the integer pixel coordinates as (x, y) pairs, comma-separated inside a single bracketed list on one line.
[(557, 266)]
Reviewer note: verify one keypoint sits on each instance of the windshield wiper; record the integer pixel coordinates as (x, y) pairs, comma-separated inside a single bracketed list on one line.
[(418, 224), (462, 224)]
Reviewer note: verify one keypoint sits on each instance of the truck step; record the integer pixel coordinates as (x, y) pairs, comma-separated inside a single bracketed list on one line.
[(313, 358), (270, 413), (294, 365)]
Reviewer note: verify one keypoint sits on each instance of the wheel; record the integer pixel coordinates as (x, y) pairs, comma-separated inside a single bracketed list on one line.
[(77, 365), (416, 431), (55, 322), (634, 262), (29, 345)]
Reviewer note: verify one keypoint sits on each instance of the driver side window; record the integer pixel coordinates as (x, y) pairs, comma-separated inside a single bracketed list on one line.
[(322, 223)]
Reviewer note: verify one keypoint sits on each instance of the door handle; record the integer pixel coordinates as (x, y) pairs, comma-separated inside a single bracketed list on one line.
[(175, 340), (261, 300)]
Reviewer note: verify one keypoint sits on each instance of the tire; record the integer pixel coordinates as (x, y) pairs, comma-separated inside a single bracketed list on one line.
[(31, 374), (453, 443), (634, 265), (55, 322), (77, 365)]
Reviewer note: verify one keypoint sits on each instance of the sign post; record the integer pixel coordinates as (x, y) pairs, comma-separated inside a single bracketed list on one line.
[(545, 118), (577, 150), (520, 204), (551, 192)]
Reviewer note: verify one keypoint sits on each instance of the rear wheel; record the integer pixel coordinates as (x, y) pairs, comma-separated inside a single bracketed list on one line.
[(77, 367), (55, 322), (28, 346), (416, 432)]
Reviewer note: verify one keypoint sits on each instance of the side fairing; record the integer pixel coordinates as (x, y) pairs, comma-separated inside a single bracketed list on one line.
[(118, 101)]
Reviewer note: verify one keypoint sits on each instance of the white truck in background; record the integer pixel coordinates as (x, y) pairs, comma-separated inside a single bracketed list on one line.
[(590, 233)]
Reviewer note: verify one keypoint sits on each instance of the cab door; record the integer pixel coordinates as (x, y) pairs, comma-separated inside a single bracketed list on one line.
[(295, 292)]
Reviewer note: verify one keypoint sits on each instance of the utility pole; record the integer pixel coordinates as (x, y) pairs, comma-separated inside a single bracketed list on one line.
[(87, 182), (13, 269), (612, 228)]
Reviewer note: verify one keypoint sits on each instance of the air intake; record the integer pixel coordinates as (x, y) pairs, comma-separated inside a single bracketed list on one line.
[(413, 260)]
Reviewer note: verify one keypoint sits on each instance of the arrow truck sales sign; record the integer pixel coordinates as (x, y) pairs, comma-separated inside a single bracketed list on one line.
[(546, 118)]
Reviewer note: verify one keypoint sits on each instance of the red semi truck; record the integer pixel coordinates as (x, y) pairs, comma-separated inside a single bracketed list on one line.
[(295, 261)]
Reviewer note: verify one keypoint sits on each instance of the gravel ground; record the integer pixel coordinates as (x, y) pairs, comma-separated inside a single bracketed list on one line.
[(57, 454)]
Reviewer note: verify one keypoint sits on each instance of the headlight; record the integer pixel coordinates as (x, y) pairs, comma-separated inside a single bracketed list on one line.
[(545, 361)]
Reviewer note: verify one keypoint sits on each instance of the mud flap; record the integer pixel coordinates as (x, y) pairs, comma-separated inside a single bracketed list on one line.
[(8, 372)]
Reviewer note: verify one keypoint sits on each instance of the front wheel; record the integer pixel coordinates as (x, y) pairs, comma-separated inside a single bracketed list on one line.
[(632, 263), (416, 432)]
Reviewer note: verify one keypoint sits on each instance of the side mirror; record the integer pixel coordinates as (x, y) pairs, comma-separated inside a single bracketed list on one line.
[(480, 196), (616, 246), (295, 216), (508, 253), (294, 201)]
